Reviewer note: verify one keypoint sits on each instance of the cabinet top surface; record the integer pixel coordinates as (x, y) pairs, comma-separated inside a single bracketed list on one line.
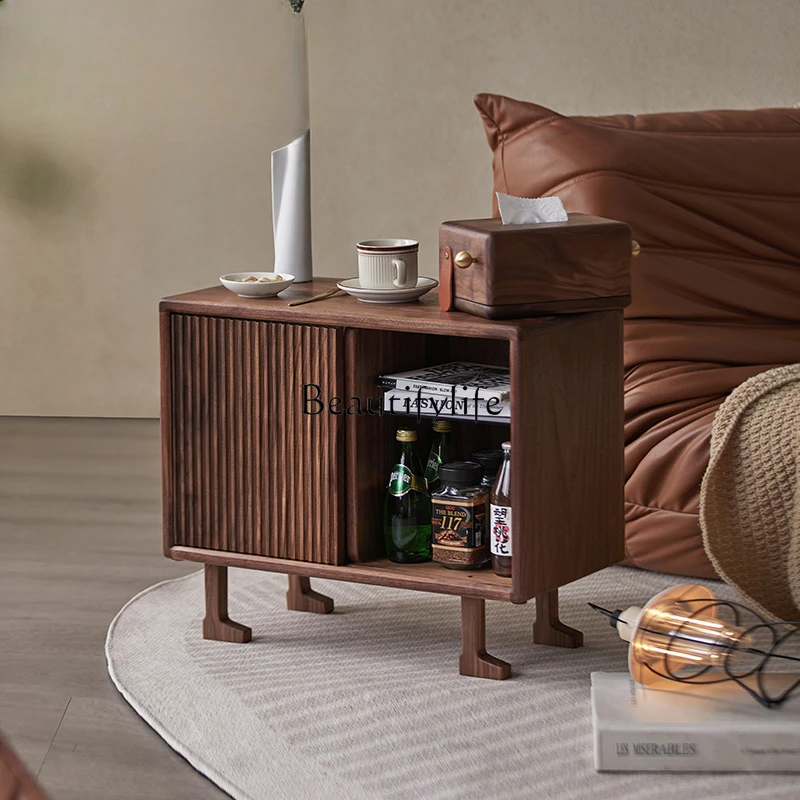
[(423, 315)]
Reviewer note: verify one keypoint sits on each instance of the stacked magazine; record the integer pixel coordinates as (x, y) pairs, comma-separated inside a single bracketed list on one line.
[(458, 390)]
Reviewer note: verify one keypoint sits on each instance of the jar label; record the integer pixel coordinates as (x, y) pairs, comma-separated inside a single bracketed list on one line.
[(459, 523), (500, 530), (402, 481)]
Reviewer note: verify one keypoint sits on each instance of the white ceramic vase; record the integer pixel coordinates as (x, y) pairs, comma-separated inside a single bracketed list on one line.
[(291, 163)]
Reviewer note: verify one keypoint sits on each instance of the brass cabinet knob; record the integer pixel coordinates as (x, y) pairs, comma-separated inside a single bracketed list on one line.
[(463, 259), (636, 248)]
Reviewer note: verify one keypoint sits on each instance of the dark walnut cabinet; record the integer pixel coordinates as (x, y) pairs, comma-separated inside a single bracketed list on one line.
[(250, 480)]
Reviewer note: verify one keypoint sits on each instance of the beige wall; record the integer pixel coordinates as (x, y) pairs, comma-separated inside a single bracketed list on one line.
[(135, 138)]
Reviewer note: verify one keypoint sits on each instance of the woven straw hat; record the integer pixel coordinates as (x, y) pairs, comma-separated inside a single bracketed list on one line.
[(750, 498)]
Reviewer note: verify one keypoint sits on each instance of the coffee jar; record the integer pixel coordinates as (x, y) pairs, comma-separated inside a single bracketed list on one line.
[(459, 517)]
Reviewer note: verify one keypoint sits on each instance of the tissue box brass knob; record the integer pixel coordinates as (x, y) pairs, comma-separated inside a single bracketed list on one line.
[(636, 248), (463, 259)]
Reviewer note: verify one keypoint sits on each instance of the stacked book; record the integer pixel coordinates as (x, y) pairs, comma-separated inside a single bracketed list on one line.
[(679, 727), (457, 390)]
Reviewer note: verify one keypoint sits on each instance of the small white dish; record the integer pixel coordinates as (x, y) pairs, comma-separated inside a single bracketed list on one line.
[(354, 288), (233, 281)]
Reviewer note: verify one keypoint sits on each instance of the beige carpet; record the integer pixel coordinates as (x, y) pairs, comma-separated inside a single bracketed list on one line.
[(366, 703)]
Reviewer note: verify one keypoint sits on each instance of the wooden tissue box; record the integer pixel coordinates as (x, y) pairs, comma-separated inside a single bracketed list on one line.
[(504, 271)]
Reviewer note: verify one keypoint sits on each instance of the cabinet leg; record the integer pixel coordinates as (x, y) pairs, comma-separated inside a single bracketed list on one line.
[(301, 597), (548, 628), (474, 659), (217, 624)]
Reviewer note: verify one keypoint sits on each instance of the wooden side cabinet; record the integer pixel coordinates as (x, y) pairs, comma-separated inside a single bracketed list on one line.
[(252, 479)]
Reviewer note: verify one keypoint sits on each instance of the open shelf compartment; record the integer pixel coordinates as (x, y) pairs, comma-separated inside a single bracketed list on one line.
[(371, 446)]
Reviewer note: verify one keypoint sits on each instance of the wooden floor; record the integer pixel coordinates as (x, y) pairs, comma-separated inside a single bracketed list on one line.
[(79, 536)]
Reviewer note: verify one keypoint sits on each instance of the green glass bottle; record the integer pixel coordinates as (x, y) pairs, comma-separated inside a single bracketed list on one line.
[(407, 511), (441, 453)]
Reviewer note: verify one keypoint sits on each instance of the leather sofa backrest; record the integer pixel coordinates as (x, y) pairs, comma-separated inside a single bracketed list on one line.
[(713, 198)]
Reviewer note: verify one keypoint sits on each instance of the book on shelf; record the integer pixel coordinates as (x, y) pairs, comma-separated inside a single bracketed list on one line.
[(457, 379), (398, 401), (682, 727)]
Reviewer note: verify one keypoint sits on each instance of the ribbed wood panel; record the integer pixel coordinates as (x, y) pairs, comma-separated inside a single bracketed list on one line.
[(253, 473)]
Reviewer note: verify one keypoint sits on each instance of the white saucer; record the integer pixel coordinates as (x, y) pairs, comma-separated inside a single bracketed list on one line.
[(355, 289)]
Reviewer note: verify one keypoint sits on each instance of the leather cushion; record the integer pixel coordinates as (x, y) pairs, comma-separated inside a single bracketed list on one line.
[(713, 197)]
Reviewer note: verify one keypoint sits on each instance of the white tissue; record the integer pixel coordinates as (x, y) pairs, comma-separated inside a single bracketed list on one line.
[(525, 210)]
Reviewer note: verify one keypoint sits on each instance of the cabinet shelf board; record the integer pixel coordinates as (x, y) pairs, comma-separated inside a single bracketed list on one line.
[(427, 577)]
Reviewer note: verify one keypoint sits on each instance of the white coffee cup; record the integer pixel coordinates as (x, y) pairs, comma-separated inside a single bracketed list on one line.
[(387, 263)]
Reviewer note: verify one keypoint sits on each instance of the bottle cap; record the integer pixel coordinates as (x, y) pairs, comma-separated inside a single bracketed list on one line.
[(461, 473), (506, 447), (442, 426), (406, 435), (490, 460)]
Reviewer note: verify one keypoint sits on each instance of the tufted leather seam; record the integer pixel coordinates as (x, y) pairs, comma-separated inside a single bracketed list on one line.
[(502, 149), (604, 173), (767, 323), (531, 126), (659, 508), (669, 133), (683, 251)]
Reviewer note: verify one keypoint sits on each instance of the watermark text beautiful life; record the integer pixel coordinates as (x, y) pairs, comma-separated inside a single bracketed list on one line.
[(442, 405)]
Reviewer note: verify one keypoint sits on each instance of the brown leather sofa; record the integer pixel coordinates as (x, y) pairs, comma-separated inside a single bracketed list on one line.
[(714, 199)]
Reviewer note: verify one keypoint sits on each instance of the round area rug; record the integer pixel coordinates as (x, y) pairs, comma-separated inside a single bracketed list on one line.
[(367, 703)]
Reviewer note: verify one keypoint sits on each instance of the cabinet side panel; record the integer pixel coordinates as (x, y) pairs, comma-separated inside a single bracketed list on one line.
[(567, 451), (167, 469), (252, 473)]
